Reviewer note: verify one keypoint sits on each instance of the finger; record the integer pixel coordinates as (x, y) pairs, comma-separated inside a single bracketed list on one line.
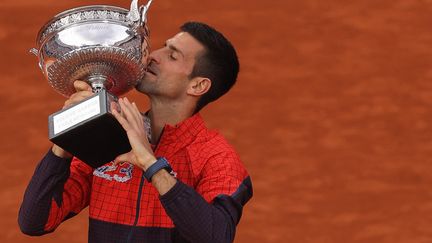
[(115, 106), (77, 97), (139, 120), (80, 95), (127, 157), (135, 115), (120, 119), (127, 112), (80, 85), (138, 114), (123, 122), (135, 138)]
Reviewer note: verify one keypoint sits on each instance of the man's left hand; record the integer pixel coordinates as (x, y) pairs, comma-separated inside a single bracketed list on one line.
[(132, 121)]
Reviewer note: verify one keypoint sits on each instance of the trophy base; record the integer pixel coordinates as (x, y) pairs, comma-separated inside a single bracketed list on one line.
[(89, 131)]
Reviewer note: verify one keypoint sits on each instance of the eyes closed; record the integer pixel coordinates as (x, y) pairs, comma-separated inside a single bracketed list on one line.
[(174, 52), (173, 55)]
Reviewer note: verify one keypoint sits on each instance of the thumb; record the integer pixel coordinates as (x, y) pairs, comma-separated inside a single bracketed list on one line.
[(127, 157), (80, 85)]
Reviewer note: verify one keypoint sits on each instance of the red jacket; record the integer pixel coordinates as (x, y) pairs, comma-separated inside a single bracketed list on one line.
[(204, 205)]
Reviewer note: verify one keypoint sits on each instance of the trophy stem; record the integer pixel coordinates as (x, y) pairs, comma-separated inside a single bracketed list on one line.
[(98, 83)]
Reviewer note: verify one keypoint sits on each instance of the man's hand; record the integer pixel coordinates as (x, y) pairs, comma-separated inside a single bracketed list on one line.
[(141, 154), (83, 91), (133, 123)]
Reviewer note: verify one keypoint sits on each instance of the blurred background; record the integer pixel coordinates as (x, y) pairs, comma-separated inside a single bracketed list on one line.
[(331, 114)]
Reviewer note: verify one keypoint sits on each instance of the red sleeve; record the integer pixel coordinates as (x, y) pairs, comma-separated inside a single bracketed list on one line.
[(57, 190), (222, 174), (75, 194), (211, 211)]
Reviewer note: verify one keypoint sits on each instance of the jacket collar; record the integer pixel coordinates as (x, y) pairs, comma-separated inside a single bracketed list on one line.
[(182, 133)]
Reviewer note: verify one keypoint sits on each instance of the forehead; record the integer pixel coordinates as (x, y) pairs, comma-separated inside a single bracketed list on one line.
[(186, 43)]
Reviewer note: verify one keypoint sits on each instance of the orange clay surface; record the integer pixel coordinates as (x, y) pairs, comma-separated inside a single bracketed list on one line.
[(331, 114)]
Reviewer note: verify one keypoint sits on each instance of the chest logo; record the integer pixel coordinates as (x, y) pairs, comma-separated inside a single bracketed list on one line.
[(119, 173)]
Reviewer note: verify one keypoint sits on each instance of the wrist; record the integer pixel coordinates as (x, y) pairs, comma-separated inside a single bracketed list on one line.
[(159, 165), (163, 181), (59, 152), (146, 162)]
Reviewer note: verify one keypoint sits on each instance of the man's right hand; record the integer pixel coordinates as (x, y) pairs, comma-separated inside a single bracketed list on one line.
[(83, 91)]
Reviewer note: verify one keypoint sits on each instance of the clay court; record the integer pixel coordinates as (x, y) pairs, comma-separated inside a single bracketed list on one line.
[(331, 114)]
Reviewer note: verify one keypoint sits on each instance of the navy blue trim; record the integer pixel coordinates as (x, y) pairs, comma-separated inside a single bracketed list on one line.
[(131, 233), (173, 193), (107, 232), (244, 192)]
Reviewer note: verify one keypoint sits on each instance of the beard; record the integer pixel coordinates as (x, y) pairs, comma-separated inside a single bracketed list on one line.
[(147, 86)]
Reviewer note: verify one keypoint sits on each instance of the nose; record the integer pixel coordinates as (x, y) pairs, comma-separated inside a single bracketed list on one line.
[(153, 57)]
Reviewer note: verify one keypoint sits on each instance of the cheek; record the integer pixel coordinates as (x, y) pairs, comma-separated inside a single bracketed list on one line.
[(145, 51), (176, 73)]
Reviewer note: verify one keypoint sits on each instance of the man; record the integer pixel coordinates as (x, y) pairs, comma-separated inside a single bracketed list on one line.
[(180, 183)]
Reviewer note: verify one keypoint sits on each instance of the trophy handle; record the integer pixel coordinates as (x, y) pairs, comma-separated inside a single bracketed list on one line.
[(34, 51), (138, 14), (133, 14), (137, 19), (144, 10)]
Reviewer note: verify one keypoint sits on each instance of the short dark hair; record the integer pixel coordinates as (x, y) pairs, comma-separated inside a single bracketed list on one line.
[(218, 61)]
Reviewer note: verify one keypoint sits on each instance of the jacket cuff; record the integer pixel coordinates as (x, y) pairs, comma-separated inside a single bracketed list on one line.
[(173, 193), (55, 162)]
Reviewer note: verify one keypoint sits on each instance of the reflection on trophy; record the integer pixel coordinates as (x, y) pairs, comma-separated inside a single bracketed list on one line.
[(105, 46)]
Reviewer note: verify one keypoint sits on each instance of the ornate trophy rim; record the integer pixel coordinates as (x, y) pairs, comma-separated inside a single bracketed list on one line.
[(81, 15)]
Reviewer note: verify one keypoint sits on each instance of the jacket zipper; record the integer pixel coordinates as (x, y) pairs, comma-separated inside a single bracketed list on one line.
[(137, 208), (142, 181)]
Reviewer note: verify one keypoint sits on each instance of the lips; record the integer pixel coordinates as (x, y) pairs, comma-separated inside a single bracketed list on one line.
[(150, 70)]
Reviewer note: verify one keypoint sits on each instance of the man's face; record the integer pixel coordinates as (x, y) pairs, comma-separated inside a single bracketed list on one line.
[(169, 67)]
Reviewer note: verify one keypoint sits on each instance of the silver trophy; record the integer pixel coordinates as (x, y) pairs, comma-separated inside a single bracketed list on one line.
[(106, 46)]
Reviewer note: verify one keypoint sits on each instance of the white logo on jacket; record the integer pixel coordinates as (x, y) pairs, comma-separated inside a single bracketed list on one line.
[(123, 175)]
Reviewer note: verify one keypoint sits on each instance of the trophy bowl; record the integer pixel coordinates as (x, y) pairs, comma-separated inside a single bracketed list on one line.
[(106, 46), (100, 44)]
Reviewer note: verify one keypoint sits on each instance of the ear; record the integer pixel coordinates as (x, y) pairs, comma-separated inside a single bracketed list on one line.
[(199, 86)]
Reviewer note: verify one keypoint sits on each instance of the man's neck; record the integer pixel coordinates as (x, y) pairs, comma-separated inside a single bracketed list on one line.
[(161, 114)]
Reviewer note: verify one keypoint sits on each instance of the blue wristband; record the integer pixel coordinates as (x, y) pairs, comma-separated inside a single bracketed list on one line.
[(161, 163)]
